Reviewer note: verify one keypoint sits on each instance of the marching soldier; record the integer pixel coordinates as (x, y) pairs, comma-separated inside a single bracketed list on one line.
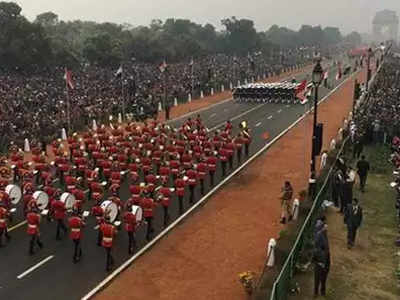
[(108, 232), (212, 166), (76, 224), (239, 145), (130, 227), (4, 215), (59, 214), (223, 157), (148, 206), (33, 220), (247, 140), (202, 169), (165, 201), (180, 191), (98, 213), (192, 180)]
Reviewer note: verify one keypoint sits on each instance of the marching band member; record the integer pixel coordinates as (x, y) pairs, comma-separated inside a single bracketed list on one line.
[(192, 181), (76, 223), (130, 227), (164, 172), (148, 205), (108, 232), (4, 215), (212, 161), (247, 140), (98, 213), (223, 157), (59, 214), (180, 191), (230, 148), (166, 194), (150, 180), (239, 141), (202, 169), (33, 220), (228, 127)]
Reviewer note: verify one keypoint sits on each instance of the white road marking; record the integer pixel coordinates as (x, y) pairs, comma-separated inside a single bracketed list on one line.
[(213, 115), (17, 226), (288, 105), (35, 267), (270, 117), (126, 264), (238, 116), (258, 124), (279, 111), (225, 109)]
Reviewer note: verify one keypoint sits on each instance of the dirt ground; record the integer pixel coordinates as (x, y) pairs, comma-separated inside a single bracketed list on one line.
[(201, 258)]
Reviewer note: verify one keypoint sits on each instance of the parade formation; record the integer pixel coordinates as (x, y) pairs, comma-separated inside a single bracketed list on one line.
[(81, 178)]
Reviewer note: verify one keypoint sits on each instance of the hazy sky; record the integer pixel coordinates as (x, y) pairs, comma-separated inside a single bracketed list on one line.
[(347, 14)]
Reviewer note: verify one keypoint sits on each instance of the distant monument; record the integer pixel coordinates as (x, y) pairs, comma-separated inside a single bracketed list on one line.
[(385, 26)]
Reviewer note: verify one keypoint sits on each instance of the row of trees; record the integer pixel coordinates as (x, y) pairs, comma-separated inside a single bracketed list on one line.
[(48, 40)]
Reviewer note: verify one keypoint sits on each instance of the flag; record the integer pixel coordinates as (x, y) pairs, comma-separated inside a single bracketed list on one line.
[(68, 79), (191, 62), (339, 73), (301, 87), (119, 72), (326, 75), (163, 66)]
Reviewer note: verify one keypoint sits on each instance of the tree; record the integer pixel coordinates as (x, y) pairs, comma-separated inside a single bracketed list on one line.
[(102, 50), (354, 39), (332, 35), (47, 19), (241, 36)]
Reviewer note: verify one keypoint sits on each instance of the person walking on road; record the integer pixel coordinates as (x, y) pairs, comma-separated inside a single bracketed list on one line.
[(4, 215), (362, 170), (322, 260), (353, 219), (59, 214)]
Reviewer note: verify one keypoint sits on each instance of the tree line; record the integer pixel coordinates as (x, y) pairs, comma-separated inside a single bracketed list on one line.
[(48, 41)]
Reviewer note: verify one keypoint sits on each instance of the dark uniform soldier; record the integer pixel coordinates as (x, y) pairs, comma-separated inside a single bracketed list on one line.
[(362, 170), (353, 219), (322, 261)]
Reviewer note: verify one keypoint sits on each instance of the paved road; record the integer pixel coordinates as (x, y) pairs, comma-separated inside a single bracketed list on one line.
[(58, 278)]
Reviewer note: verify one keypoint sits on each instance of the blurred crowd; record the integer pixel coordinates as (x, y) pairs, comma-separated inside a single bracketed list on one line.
[(34, 106)]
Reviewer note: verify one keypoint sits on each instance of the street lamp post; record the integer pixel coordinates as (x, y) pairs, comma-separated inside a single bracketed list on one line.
[(317, 77), (368, 68)]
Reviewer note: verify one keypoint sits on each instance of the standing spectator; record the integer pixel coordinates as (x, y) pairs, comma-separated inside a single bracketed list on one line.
[(322, 261), (362, 170), (286, 197), (353, 219)]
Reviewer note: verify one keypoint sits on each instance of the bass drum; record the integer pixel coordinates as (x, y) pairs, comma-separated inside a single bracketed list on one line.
[(110, 209), (42, 199), (14, 192), (68, 199), (138, 212)]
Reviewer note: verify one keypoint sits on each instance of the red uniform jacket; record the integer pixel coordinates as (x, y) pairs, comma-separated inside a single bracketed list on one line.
[(212, 163), (3, 217), (33, 220), (59, 209), (148, 206), (98, 212), (202, 168), (166, 196), (108, 231), (180, 187), (192, 174), (75, 224), (130, 221)]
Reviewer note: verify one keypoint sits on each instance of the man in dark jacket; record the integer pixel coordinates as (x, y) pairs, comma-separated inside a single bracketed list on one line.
[(353, 219), (322, 261), (362, 170)]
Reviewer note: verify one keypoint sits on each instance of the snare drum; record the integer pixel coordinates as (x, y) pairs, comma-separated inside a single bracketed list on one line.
[(41, 198), (14, 192), (138, 212), (68, 199), (110, 209)]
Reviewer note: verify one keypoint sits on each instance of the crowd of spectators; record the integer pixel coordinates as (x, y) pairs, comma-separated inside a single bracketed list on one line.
[(35, 105)]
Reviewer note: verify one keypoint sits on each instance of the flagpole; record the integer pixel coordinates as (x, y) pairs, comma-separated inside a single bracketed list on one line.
[(192, 76)]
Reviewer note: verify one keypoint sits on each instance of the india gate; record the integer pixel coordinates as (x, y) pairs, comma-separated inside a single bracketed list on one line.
[(385, 26)]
